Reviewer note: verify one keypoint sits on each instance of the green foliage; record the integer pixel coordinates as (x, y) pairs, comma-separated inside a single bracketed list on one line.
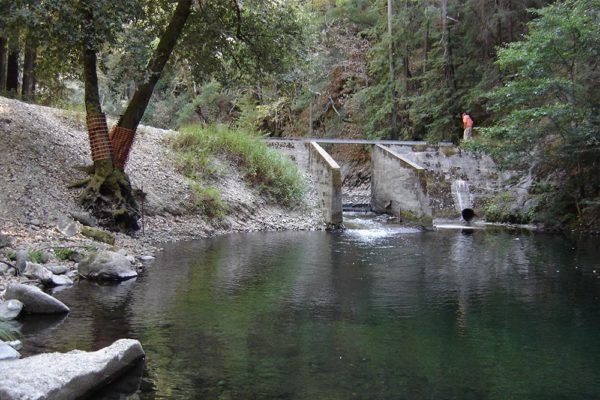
[(274, 174), (64, 253), (501, 209), (269, 118), (7, 332), (207, 200), (98, 235), (38, 257), (549, 108), (214, 104), (12, 256)]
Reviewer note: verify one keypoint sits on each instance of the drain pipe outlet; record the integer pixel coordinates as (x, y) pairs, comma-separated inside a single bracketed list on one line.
[(467, 214)]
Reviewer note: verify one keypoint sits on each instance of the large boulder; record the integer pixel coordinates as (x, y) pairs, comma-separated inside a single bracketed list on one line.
[(10, 309), (34, 300), (106, 266), (72, 375)]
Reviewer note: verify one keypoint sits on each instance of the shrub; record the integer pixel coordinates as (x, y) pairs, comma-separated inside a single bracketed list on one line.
[(38, 257), (501, 209), (208, 201), (64, 253)]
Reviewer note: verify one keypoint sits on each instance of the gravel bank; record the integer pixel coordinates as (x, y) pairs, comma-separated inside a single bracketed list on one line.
[(43, 150)]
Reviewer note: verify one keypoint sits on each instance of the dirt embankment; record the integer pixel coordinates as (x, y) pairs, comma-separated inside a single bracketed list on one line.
[(43, 150)]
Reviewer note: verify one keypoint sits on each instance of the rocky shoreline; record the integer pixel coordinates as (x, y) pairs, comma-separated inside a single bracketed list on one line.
[(47, 240), (45, 149)]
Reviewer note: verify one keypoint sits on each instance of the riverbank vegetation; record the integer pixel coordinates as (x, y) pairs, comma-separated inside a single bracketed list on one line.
[(527, 72), (199, 147)]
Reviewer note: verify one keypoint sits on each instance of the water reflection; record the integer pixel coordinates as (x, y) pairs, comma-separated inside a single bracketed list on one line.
[(485, 315)]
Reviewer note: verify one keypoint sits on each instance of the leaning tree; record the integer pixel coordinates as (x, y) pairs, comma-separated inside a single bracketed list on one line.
[(108, 194), (213, 33)]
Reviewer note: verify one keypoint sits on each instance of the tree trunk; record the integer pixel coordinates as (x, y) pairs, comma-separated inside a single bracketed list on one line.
[(12, 66), (123, 134), (28, 87), (108, 195), (511, 28), (499, 22), (406, 59), (426, 48), (406, 70), (394, 98), (448, 63), (2, 64)]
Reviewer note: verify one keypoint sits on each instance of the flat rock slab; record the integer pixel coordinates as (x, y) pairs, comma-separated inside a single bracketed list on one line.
[(34, 300), (58, 376)]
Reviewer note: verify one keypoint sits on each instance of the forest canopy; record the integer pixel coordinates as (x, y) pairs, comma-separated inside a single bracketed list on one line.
[(525, 70)]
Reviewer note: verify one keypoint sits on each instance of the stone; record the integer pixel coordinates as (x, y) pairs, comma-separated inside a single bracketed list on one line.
[(10, 309), (84, 218), (147, 259), (39, 272), (21, 260), (34, 300), (11, 272), (15, 344), (7, 353), (106, 266), (61, 280), (67, 375), (3, 268), (57, 269), (4, 241), (67, 227), (72, 274)]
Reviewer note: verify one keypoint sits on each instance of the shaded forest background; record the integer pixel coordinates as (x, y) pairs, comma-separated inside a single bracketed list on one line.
[(526, 70)]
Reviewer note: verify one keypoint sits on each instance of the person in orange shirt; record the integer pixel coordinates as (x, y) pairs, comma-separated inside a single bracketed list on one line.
[(468, 126)]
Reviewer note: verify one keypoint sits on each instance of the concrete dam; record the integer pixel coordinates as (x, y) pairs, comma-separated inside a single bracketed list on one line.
[(414, 182)]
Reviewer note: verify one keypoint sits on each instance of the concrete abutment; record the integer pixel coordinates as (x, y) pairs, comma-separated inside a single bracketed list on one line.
[(328, 179), (399, 187)]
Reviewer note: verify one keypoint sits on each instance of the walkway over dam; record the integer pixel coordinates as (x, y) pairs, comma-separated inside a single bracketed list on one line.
[(412, 181)]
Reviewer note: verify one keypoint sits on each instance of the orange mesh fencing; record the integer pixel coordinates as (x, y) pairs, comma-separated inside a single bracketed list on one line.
[(98, 134), (121, 140)]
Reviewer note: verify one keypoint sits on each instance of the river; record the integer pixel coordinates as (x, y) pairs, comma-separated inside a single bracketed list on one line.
[(375, 312)]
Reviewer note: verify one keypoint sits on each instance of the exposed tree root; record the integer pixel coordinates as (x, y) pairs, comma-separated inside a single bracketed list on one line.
[(79, 183), (109, 198)]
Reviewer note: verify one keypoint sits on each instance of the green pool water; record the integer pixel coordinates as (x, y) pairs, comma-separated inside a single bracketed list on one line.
[(371, 313)]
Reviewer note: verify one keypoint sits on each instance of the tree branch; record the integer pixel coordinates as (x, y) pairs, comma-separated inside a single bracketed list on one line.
[(168, 39), (238, 13)]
